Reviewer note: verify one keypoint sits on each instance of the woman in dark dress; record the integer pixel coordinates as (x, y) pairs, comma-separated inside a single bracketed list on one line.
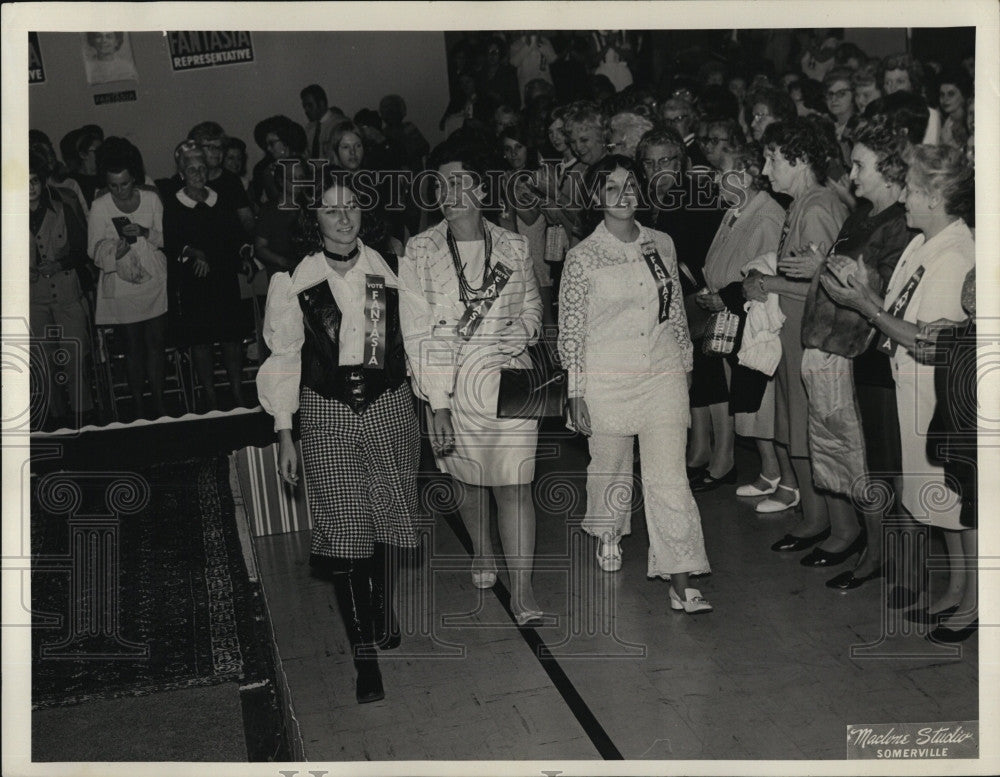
[(203, 237)]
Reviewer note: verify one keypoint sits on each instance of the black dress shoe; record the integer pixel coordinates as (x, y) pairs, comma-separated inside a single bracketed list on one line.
[(825, 558), (790, 543), (949, 636), (694, 473), (846, 581), (901, 597), (706, 482), (925, 618)]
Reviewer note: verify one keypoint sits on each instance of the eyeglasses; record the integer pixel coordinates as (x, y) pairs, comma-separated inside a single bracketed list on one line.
[(657, 164), (215, 145), (707, 140), (759, 116), (675, 119), (610, 147), (836, 95)]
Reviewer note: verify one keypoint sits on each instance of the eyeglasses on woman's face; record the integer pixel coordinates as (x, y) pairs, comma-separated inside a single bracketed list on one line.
[(711, 141), (837, 94)]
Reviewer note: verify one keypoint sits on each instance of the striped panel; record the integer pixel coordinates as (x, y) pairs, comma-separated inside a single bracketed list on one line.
[(272, 506)]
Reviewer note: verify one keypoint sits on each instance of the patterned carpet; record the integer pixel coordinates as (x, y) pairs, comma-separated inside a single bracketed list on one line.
[(138, 582)]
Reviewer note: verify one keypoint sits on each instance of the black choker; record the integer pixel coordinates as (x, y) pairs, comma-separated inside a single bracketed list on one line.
[(341, 257)]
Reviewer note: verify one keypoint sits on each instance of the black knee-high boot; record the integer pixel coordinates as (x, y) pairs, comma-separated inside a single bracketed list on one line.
[(385, 567), (354, 598)]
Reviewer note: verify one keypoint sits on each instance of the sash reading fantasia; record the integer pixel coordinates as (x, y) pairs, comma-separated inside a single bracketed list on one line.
[(374, 358), (663, 283), (898, 308), (477, 310)]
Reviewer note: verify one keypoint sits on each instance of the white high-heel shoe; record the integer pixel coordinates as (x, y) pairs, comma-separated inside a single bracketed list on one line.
[(751, 490), (776, 506), (693, 603), (609, 554)]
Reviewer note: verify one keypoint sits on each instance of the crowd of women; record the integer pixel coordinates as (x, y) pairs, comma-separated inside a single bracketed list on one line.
[(787, 258)]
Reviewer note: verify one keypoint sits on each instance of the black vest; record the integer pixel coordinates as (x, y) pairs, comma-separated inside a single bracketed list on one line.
[(354, 385)]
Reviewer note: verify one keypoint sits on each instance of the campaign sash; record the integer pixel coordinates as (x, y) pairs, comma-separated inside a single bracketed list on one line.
[(375, 316), (898, 309), (476, 310), (664, 285)]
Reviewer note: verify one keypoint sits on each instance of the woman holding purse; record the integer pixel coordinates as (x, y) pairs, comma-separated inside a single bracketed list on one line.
[(624, 342), (750, 228)]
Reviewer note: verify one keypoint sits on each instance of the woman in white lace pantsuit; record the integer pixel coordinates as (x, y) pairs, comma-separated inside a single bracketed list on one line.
[(624, 340)]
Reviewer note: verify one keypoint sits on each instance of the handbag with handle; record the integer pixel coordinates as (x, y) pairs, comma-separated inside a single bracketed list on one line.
[(538, 392), (720, 333)]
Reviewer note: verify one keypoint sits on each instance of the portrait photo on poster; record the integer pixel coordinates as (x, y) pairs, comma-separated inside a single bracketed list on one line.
[(107, 57)]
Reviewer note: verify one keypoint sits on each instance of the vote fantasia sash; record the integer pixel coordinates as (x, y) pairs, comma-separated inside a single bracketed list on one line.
[(477, 310), (898, 308), (375, 315), (664, 285)]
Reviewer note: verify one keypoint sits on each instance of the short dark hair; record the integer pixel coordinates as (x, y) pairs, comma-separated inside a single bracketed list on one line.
[(315, 91), (239, 145), (808, 139), (289, 132), (595, 178), (888, 142), (905, 110), (903, 62), (958, 77), (206, 130), (38, 165), (473, 156), (778, 102), (117, 155)]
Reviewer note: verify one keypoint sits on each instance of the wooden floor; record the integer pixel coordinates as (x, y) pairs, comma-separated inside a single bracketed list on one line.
[(777, 671)]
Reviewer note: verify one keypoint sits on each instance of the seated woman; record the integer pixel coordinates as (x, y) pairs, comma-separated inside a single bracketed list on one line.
[(125, 240), (360, 439), (926, 286), (203, 238), (624, 341)]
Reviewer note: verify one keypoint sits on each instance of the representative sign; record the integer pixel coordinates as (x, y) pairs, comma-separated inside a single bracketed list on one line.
[(36, 70), (913, 741), (194, 50)]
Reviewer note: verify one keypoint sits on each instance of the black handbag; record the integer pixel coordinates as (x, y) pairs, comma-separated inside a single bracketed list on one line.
[(538, 392)]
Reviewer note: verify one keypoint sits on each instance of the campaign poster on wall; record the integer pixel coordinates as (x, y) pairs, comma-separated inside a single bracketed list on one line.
[(107, 57), (36, 70), (194, 50)]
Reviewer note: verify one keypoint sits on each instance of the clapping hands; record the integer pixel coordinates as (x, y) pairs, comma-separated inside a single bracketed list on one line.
[(804, 262)]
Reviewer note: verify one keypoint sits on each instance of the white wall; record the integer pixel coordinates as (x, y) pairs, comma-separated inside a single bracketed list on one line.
[(355, 68)]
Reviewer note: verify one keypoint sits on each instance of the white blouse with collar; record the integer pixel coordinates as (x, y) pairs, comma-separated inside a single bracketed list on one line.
[(278, 377)]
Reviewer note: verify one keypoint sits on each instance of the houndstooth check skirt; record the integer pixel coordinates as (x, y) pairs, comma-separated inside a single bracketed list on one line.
[(361, 472)]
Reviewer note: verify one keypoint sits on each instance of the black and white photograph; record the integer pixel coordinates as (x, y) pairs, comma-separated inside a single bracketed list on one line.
[(392, 390), (107, 57)]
